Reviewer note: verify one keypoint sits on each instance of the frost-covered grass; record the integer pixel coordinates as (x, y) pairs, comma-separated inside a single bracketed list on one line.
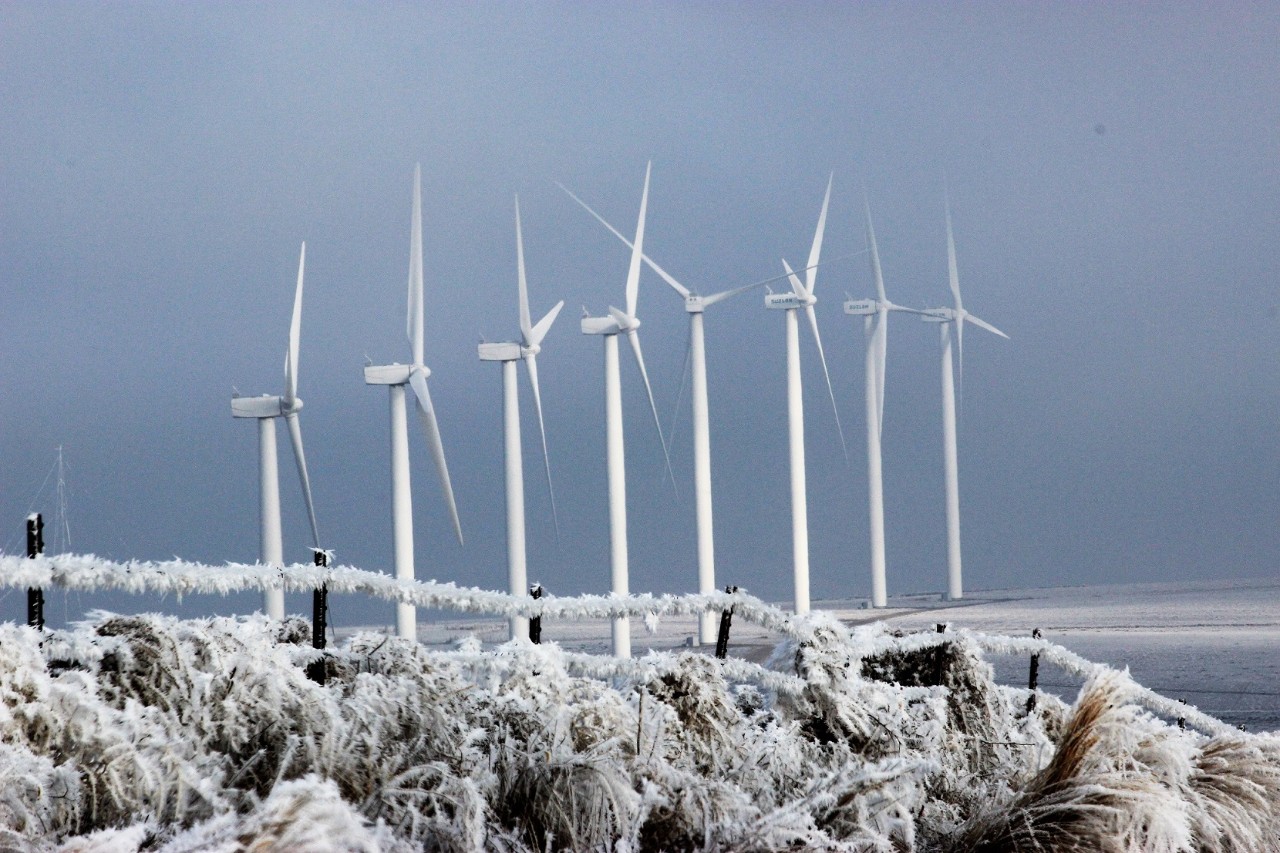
[(148, 732), (153, 733)]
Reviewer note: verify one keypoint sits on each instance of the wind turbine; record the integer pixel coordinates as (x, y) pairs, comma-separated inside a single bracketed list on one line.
[(266, 409), (395, 377), (801, 296), (947, 317), (876, 326), (694, 304), (622, 322), (508, 353)]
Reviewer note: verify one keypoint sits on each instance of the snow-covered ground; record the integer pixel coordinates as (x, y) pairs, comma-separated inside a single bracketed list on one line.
[(1213, 644)]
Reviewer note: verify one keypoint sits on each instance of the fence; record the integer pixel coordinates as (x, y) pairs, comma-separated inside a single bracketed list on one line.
[(180, 578)]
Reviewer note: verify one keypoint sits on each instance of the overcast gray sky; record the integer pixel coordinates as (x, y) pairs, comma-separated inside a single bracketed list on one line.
[(1115, 187)]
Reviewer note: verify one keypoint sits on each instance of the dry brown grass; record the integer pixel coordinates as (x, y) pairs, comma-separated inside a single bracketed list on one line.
[(1068, 807), (1236, 785)]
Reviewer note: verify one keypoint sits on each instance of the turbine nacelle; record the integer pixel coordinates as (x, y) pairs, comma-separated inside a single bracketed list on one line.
[(600, 326), (266, 406), (506, 351), (860, 307), (938, 315), (787, 301), (693, 303), (617, 322), (393, 374)]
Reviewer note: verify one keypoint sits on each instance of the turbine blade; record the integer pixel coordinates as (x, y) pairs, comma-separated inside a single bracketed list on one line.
[(666, 276), (875, 256), (796, 287), (295, 333), (817, 339), (882, 352), (637, 250), (653, 407), (983, 324), (413, 320), (427, 415), (539, 331), (892, 307), (625, 321), (531, 364), (677, 286), (295, 436), (953, 276), (726, 294), (811, 270), (525, 328), (729, 294), (684, 379)]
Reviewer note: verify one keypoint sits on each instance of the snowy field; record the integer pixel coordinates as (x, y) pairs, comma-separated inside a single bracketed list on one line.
[(845, 730), (1212, 644)]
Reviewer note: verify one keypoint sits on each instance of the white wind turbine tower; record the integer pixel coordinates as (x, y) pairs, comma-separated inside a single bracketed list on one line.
[(266, 409), (947, 317), (876, 325), (395, 377), (622, 322), (508, 353), (694, 304), (801, 296)]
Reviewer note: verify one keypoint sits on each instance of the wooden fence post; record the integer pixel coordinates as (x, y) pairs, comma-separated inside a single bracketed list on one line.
[(726, 617), (1033, 677), (535, 623), (937, 655), (319, 622), (35, 547)]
